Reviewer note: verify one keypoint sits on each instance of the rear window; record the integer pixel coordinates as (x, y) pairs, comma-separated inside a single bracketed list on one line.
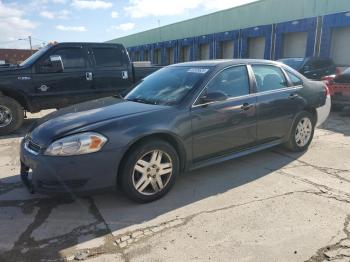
[(108, 57), (320, 63)]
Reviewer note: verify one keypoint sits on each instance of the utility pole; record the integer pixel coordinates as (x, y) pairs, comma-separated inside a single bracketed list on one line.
[(30, 44)]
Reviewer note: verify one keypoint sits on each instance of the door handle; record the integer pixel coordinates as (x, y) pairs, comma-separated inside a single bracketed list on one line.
[(246, 106), (293, 96), (88, 76)]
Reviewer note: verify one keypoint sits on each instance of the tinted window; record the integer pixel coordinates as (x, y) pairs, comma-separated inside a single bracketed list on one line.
[(232, 82), (296, 81), (108, 57), (167, 86), (269, 78), (72, 57), (320, 63)]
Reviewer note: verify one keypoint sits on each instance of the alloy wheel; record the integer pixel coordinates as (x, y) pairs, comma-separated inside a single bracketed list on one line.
[(303, 132), (152, 172), (5, 116)]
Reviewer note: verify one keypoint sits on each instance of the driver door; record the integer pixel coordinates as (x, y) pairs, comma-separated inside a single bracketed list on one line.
[(222, 127), (71, 85)]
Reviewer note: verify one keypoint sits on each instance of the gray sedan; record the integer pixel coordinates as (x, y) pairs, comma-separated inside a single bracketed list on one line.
[(182, 117)]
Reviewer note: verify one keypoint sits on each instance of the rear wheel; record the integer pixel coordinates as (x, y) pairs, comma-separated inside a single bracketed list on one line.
[(149, 171), (11, 115), (302, 132)]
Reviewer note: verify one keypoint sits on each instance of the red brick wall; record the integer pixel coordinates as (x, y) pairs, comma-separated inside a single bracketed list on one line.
[(15, 56)]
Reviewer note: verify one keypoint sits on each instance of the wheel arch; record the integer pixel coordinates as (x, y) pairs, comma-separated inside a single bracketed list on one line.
[(19, 97), (174, 141)]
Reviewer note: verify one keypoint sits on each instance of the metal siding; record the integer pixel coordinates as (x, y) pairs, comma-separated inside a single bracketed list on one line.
[(294, 44), (330, 22), (226, 36), (203, 40), (258, 13), (256, 32), (340, 46), (304, 25), (186, 42)]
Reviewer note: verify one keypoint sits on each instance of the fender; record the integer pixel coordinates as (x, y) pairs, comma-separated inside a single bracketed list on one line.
[(19, 96)]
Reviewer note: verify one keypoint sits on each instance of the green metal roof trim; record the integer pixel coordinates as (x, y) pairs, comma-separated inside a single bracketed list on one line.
[(258, 13)]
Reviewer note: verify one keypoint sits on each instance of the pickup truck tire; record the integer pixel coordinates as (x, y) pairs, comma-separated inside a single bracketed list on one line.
[(302, 132), (11, 115)]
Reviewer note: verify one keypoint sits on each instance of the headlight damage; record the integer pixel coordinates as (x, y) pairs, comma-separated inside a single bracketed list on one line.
[(79, 144)]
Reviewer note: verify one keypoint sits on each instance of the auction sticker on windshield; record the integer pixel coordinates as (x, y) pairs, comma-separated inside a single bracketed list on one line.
[(198, 70)]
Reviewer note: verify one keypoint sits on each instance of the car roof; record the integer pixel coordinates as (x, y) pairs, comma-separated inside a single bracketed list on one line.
[(226, 62)]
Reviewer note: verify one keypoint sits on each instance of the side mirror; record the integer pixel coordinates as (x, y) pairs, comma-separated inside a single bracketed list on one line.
[(213, 97)]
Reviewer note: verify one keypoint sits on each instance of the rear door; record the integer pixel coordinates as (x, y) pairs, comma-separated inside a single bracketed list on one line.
[(111, 74), (59, 89), (278, 102), (222, 127)]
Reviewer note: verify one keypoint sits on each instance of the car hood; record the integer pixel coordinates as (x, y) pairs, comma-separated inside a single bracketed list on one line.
[(64, 121)]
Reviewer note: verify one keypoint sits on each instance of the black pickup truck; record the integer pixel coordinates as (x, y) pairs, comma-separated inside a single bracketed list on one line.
[(62, 74)]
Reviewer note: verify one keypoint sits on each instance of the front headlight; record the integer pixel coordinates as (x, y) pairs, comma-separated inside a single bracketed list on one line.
[(79, 144)]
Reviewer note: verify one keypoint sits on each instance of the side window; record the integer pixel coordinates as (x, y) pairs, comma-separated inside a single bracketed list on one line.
[(319, 64), (296, 81), (232, 82), (269, 78), (108, 57), (72, 57)]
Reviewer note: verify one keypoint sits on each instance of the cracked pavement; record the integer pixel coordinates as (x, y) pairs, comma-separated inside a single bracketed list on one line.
[(269, 206)]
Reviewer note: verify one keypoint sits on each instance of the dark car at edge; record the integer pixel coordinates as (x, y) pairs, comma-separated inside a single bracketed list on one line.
[(311, 67), (182, 117)]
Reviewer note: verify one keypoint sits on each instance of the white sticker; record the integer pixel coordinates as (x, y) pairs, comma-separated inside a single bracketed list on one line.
[(198, 70)]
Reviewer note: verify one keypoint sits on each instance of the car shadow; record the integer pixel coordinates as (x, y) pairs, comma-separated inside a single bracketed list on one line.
[(27, 124), (117, 214), (338, 122)]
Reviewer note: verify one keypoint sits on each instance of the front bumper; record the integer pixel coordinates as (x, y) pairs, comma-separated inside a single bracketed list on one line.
[(71, 174)]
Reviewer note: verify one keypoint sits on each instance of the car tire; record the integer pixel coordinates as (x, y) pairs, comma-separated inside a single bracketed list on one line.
[(146, 175), (302, 132), (11, 115)]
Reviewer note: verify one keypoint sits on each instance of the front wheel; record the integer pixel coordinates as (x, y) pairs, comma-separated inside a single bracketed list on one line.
[(149, 171), (302, 132), (11, 115)]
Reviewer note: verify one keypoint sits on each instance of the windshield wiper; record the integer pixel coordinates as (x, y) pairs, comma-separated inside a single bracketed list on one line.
[(142, 100)]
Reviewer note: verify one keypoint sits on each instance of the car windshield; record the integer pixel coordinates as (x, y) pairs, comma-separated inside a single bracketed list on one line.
[(294, 63), (167, 86), (35, 56)]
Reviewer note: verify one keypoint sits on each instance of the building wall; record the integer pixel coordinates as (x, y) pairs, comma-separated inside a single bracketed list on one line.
[(270, 19), (15, 56)]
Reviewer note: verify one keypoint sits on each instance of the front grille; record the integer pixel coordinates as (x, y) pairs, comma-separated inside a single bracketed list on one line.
[(33, 147)]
